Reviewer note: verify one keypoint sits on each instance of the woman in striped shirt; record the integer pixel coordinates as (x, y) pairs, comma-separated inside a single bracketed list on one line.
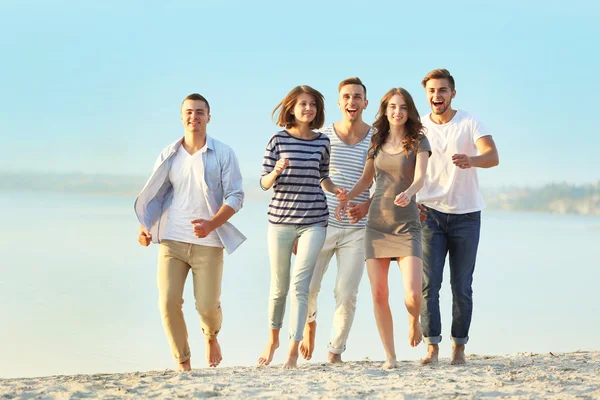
[(296, 165)]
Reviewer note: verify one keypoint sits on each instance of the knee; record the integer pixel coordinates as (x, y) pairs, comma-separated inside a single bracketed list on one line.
[(345, 297), (413, 297), (170, 304), (380, 296), (278, 294)]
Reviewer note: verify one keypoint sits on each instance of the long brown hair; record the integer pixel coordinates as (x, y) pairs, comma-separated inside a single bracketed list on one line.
[(286, 106), (414, 127)]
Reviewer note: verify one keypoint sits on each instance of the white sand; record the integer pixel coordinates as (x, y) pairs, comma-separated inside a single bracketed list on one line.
[(523, 376)]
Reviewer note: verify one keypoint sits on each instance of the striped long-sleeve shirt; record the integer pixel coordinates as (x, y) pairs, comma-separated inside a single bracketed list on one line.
[(298, 197), (347, 164)]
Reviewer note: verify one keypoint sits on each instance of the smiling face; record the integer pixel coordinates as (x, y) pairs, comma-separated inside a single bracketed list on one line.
[(194, 116), (439, 94), (352, 102), (396, 111), (305, 109)]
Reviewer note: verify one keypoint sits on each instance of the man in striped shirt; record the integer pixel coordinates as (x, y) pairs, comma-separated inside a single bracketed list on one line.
[(349, 140)]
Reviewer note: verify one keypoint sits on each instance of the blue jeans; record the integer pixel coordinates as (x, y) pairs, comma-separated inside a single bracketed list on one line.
[(456, 235), (281, 240)]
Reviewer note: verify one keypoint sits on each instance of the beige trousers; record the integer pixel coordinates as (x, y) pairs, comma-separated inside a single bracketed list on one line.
[(175, 259)]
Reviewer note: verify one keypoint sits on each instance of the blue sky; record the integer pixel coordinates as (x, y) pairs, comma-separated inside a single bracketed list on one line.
[(96, 88)]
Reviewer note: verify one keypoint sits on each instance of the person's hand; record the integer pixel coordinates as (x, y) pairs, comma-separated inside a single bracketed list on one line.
[(422, 212), (144, 237), (295, 247), (356, 212), (340, 210), (281, 164), (341, 193), (462, 161), (202, 227), (402, 200)]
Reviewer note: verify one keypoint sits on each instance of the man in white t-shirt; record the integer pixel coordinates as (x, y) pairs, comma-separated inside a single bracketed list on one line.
[(349, 139), (452, 202), (195, 187)]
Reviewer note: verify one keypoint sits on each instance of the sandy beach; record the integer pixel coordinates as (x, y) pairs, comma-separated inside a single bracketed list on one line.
[(523, 376)]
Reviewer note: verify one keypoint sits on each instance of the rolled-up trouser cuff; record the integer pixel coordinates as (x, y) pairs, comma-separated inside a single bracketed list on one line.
[(183, 358), (297, 337), (432, 339), (335, 350), (459, 341)]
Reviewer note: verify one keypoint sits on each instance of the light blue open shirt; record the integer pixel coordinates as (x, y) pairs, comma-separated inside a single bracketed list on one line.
[(222, 184)]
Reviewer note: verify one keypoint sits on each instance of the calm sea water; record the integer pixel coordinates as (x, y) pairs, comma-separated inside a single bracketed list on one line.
[(78, 294)]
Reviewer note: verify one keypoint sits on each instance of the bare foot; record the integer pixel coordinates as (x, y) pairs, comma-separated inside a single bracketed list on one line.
[(458, 355), (415, 333), (333, 358), (267, 356), (390, 363), (213, 352), (308, 343), (291, 362), (432, 354), (185, 366)]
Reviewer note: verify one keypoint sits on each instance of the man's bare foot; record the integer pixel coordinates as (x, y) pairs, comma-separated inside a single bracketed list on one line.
[(415, 333), (390, 363), (458, 355), (432, 354), (333, 358), (308, 343), (213, 352), (185, 366), (267, 356)]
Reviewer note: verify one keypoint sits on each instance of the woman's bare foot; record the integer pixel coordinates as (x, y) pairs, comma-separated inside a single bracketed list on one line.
[(292, 358), (213, 352), (185, 366), (308, 343), (333, 358), (291, 362), (432, 354), (458, 355), (267, 356), (390, 363), (415, 333)]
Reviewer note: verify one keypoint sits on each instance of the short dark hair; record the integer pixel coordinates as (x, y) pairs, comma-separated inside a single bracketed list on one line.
[(440, 73), (197, 96), (355, 80)]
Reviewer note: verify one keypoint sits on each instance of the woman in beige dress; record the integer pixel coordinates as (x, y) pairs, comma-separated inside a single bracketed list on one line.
[(397, 160)]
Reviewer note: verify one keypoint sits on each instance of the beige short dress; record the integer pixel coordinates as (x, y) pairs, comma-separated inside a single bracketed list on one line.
[(394, 231)]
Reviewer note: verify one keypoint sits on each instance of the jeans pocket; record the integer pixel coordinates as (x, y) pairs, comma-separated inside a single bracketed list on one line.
[(475, 216)]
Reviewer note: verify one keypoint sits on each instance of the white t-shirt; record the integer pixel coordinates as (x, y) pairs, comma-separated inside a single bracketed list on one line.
[(448, 188), (189, 203)]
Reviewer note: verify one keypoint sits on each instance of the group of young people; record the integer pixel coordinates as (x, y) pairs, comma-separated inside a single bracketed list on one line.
[(403, 189)]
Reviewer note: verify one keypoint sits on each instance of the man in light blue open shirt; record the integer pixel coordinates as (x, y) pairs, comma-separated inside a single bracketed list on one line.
[(195, 187)]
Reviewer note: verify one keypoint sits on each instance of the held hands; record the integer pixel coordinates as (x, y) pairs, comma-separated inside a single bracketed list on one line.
[(202, 227), (281, 164), (402, 200), (341, 193), (462, 161), (144, 237)]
